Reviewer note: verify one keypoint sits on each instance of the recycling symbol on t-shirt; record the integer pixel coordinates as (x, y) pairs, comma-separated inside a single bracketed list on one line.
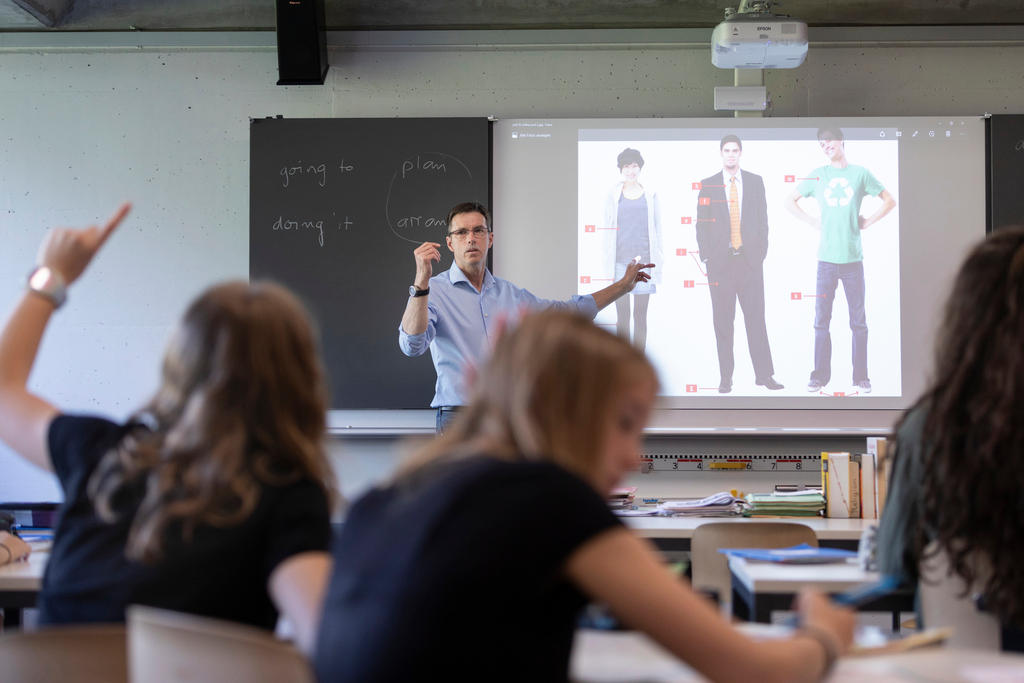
[(838, 192)]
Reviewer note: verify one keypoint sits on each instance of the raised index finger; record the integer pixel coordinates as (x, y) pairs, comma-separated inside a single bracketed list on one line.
[(114, 221)]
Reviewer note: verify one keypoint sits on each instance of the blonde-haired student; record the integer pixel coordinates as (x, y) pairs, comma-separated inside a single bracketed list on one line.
[(475, 561), (214, 497)]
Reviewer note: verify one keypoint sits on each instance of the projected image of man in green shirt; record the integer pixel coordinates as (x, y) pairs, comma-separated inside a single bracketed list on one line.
[(839, 187)]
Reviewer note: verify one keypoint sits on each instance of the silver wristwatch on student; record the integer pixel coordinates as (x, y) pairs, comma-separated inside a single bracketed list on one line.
[(415, 291), (48, 283)]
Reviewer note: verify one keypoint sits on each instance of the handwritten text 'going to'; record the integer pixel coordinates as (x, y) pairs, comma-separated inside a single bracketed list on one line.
[(317, 171)]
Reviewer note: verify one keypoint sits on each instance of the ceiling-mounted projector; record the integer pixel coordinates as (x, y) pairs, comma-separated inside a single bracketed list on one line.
[(754, 38)]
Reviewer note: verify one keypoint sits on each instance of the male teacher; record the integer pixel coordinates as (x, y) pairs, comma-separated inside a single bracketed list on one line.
[(839, 187), (732, 236), (457, 313)]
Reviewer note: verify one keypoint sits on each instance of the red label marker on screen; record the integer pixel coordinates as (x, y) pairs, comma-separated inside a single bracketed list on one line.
[(680, 252), (589, 228), (704, 201), (695, 186), (790, 178), (795, 296), (584, 279), (686, 220), (691, 388), (839, 393), (687, 283)]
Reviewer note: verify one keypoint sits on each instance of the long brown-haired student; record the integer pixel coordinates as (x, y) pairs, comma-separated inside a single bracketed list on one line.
[(958, 474), (211, 499), (474, 563)]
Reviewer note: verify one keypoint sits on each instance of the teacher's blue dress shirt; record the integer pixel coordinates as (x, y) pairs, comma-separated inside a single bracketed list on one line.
[(462, 321)]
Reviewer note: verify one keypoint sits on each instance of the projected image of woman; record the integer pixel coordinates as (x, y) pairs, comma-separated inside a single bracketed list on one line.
[(634, 212)]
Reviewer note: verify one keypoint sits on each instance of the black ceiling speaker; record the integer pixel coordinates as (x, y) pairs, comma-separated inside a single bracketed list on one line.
[(301, 42)]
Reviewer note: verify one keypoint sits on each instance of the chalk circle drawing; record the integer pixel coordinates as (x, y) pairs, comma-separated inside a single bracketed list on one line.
[(422, 188)]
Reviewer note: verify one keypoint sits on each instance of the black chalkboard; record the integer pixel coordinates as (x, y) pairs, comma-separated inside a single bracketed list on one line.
[(1006, 168), (336, 208)]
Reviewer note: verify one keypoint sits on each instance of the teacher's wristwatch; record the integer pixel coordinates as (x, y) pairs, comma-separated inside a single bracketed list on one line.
[(415, 291)]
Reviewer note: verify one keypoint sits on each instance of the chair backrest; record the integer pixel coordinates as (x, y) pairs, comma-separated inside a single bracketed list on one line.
[(710, 568), (172, 647), (89, 653), (943, 603)]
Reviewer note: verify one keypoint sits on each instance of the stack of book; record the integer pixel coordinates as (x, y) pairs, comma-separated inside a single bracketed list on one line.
[(622, 498), (855, 485), (720, 504), (803, 503)]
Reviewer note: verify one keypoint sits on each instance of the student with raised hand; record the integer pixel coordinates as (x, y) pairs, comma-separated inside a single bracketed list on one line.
[(957, 472), (214, 497), (476, 560)]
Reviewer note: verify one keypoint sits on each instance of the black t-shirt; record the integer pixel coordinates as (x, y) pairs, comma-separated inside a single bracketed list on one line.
[(220, 572), (459, 576)]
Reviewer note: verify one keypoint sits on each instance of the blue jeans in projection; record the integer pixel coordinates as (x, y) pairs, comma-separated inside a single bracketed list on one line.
[(852, 277)]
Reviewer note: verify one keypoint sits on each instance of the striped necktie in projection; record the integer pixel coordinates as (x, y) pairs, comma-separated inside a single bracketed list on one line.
[(734, 215)]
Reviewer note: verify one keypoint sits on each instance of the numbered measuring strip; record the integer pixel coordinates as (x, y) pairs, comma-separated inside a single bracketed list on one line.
[(731, 463)]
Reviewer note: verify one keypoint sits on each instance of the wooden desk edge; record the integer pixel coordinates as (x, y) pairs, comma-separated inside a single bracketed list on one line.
[(683, 527)]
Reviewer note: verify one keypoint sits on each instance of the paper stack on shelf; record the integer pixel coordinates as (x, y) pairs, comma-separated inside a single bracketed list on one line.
[(621, 498), (721, 504), (804, 503), (622, 502)]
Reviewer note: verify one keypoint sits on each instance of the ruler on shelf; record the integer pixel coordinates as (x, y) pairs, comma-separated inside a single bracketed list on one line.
[(730, 463)]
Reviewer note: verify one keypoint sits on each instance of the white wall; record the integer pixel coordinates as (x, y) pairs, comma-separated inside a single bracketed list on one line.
[(83, 128)]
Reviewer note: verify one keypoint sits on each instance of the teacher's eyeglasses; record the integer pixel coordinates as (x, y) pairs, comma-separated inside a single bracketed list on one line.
[(462, 233)]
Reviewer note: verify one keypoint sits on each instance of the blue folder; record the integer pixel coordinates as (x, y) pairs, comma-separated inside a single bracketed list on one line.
[(797, 554)]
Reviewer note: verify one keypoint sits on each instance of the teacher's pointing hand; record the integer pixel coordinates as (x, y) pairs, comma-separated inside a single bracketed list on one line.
[(635, 272)]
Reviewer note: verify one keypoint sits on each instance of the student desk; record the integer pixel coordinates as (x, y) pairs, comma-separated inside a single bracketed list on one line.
[(674, 533), (630, 656), (20, 581), (760, 588), (19, 585)]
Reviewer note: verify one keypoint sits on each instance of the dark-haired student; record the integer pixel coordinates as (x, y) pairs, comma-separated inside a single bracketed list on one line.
[(958, 474), (214, 497), (474, 563)]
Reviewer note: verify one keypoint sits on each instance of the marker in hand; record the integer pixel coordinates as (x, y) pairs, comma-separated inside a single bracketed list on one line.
[(859, 596)]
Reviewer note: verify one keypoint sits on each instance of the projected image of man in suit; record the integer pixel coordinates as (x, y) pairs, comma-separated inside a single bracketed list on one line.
[(732, 236)]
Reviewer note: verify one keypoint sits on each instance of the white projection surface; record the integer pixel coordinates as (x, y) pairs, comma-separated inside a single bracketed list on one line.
[(840, 304)]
